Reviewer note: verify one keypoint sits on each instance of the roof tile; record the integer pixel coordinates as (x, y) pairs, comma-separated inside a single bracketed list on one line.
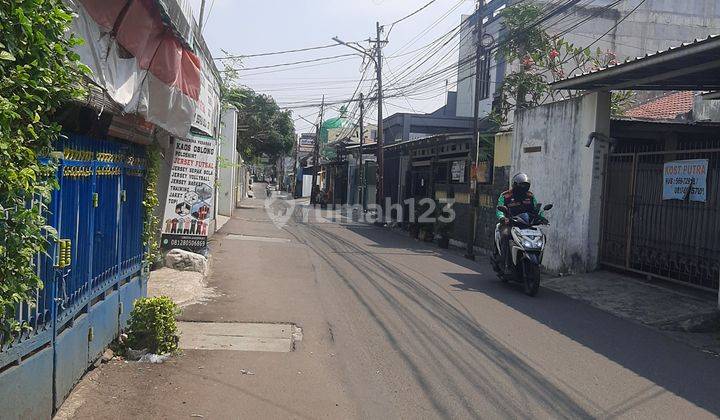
[(667, 107)]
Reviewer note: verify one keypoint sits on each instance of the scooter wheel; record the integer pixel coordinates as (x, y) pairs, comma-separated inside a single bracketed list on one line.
[(531, 282)]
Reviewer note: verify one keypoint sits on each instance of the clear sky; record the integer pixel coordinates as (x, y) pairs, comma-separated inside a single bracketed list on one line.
[(254, 26)]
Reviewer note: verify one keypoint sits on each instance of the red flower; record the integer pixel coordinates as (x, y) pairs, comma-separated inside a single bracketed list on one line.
[(554, 54), (528, 62)]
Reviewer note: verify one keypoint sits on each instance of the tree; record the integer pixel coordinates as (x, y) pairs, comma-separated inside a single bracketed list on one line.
[(541, 59), (38, 73), (265, 129)]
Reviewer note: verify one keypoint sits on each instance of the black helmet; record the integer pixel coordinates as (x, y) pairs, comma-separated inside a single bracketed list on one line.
[(521, 183)]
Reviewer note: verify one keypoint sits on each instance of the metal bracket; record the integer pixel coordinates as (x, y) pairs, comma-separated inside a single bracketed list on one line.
[(64, 253)]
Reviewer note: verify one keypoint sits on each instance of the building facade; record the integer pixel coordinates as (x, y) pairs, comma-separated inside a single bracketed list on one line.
[(619, 28)]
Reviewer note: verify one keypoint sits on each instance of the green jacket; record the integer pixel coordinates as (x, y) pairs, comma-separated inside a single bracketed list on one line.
[(527, 205)]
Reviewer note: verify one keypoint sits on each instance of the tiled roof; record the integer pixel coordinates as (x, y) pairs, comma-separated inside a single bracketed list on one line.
[(667, 107)]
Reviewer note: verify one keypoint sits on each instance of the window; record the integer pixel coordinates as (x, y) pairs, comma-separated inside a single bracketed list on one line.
[(485, 76), (441, 173)]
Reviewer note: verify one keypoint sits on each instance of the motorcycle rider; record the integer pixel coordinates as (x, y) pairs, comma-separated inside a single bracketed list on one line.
[(517, 200)]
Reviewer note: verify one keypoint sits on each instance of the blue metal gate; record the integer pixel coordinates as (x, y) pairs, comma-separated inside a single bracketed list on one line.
[(91, 275)]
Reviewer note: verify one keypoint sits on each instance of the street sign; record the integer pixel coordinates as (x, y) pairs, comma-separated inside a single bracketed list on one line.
[(685, 180)]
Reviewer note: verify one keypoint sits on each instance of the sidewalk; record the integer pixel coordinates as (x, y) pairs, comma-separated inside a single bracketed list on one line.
[(687, 315), (261, 276)]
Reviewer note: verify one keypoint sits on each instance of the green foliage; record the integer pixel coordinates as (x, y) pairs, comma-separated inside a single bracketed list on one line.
[(542, 59), (151, 223), (620, 101), (38, 72), (266, 129), (523, 36), (152, 325)]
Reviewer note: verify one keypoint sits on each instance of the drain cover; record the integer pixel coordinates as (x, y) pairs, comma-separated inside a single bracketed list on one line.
[(239, 336), (257, 238)]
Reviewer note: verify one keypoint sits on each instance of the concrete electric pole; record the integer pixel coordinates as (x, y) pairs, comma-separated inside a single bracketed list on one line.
[(316, 151), (361, 174), (379, 186), (376, 57), (479, 56)]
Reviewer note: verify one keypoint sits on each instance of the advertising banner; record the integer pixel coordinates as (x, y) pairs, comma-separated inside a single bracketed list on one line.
[(457, 171), (685, 180), (208, 104), (189, 205)]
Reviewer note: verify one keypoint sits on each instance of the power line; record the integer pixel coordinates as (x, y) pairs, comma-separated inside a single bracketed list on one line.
[(295, 68), (432, 25), (409, 16), (207, 18), (557, 8), (293, 63), (320, 47)]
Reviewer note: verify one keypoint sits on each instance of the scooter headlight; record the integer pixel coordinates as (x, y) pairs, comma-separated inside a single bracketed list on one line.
[(532, 242)]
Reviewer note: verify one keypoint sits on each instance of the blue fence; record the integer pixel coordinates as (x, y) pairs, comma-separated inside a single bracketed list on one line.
[(86, 299)]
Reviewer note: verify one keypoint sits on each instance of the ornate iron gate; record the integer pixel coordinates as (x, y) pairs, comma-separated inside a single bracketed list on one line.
[(91, 275), (676, 240)]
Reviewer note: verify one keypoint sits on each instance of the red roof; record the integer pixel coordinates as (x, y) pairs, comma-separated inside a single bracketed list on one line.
[(667, 107)]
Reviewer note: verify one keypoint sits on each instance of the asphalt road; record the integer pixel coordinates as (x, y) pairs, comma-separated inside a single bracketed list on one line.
[(395, 328)]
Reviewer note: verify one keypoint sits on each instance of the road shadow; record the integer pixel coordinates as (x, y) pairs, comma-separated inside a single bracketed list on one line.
[(385, 238), (676, 367), (399, 304), (671, 365)]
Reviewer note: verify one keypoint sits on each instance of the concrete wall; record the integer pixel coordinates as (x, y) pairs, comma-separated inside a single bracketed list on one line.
[(549, 145), (227, 161), (166, 145), (466, 70), (705, 110), (655, 25), (502, 155)]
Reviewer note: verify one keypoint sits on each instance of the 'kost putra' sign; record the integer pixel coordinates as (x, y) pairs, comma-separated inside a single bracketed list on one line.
[(685, 180)]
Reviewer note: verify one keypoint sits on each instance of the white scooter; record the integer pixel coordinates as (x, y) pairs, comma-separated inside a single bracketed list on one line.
[(527, 244)]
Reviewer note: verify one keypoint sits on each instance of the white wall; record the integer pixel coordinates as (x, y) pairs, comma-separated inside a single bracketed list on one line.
[(566, 173), (227, 161)]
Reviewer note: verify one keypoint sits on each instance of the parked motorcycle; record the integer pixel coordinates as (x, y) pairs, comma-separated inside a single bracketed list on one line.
[(527, 244)]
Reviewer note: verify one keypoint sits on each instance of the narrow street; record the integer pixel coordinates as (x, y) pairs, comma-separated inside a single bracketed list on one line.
[(394, 328), (206, 216)]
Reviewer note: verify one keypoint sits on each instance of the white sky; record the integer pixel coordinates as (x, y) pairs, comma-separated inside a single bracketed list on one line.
[(253, 26)]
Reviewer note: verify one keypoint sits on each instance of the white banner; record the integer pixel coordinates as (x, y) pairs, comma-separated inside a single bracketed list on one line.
[(189, 206), (208, 104)]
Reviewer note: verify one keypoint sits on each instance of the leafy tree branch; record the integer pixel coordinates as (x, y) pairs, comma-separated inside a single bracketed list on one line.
[(540, 59), (38, 73)]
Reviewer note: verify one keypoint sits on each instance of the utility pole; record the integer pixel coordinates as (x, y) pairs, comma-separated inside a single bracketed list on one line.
[(202, 15), (379, 186), (293, 187), (362, 142), (479, 56), (316, 152), (376, 57)]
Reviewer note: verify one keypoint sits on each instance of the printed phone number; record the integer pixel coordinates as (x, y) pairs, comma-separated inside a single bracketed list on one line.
[(187, 242)]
